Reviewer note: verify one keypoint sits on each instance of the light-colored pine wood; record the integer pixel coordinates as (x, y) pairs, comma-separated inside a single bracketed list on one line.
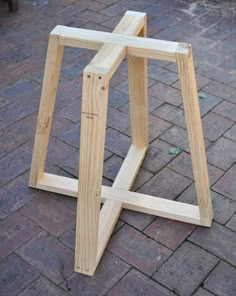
[(92, 139), (130, 200), (48, 95), (111, 209), (94, 227), (195, 134), (130, 167), (136, 46), (104, 63), (138, 94)]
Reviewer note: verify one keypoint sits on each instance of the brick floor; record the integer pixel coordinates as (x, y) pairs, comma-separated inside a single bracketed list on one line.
[(146, 255)]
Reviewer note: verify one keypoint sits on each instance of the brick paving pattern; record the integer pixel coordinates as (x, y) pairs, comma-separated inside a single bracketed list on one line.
[(146, 255)]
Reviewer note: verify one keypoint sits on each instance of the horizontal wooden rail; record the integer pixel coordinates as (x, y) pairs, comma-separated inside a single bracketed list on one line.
[(135, 46), (130, 200)]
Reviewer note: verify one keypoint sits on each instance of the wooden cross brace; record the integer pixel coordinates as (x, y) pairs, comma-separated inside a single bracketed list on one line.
[(94, 227)]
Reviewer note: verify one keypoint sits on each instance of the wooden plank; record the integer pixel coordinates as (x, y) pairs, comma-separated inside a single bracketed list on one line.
[(130, 200), (136, 46), (92, 139), (195, 134), (107, 60), (48, 95), (130, 167), (109, 57), (111, 209), (131, 24), (154, 205), (138, 94)]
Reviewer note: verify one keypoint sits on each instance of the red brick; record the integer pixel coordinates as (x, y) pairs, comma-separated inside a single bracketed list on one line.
[(138, 250), (157, 126), (221, 90), (232, 223), (135, 283), (138, 220), (157, 156), (43, 287), (223, 207), (57, 150), (166, 184), (186, 269), (166, 93), (177, 136), (15, 230), (231, 133), (118, 119), (227, 184), (214, 126), (221, 280), (172, 114), (117, 143), (202, 292), (49, 214), (182, 164), (13, 165), (72, 111), (218, 240), (93, 16), (113, 10), (110, 270), (169, 233), (15, 275), (71, 135), (222, 153), (226, 109), (72, 89), (15, 135), (153, 103), (50, 257)]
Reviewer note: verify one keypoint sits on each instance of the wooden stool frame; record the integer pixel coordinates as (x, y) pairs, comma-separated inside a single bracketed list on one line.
[(94, 226)]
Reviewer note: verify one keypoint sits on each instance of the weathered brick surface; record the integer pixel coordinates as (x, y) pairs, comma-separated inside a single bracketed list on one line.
[(42, 286), (223, 207), (15, 195), (227, 184), (15, 275), (182, 164), (202, 292), (50, 257), (136, 219), (218, 240), (222, 153), (49, 214), (13, 165), (177, 136), (166, 184), (110, 270), (232, 223), (214, 126), (169, 232), (135, 283), (186, 269), (138, 250), (231, 133), (15, 230), (221, 280)]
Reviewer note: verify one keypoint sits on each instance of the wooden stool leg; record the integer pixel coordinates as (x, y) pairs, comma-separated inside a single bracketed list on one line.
[(93, 126), (195, 135), (138, 92), (49, 90)]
